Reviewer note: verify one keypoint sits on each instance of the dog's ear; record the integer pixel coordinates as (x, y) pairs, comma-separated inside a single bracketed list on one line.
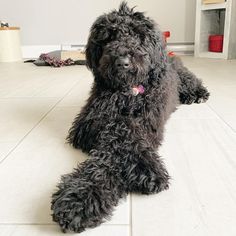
[(93, 51), (161, 55), (157, 48), (99, 35), (152, 38)]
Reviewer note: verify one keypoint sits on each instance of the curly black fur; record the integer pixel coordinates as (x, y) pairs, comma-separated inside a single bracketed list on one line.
[(120, 131)]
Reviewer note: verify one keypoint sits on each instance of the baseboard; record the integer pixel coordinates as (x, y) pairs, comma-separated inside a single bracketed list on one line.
[(33, 51), (181, 49)]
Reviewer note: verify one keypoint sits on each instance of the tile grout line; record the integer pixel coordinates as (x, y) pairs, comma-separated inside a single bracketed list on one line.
[(34, 97), (21, 140), (221, 118), (1, 224), (130, 216), (50, 224)]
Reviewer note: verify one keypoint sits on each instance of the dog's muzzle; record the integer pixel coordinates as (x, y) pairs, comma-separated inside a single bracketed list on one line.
[(122, 62)]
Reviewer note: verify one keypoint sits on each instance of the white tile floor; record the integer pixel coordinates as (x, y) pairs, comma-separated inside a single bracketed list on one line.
[(37, 106)]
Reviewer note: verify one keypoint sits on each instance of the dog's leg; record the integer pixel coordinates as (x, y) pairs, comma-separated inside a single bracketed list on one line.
[(84, 132), (86, 197), (142, 169), (191, 89), (86, 128), (120, 163), (146, 173)]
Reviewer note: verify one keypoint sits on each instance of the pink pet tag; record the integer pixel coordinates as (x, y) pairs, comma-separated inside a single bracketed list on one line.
[(136, 90)]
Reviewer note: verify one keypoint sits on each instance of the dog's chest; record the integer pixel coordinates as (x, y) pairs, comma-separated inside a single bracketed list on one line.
[(132, 106), (141, 106)]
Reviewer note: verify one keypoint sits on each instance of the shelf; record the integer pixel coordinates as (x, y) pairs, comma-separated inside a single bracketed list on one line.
[(215, 18), (216, 55), (207, 7)]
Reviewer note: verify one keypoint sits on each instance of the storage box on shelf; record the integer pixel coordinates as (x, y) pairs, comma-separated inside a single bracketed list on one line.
[(216, 19)]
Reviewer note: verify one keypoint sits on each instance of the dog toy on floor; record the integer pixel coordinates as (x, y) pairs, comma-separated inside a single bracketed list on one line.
[(136, 88)]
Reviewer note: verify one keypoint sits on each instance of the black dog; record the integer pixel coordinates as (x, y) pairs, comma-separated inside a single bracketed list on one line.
[(136, 89)]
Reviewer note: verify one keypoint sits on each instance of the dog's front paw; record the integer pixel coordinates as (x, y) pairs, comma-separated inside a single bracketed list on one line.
[(67, 212), (81, 203), (72, 204), (202, 95), (198, 96), (155, 185)]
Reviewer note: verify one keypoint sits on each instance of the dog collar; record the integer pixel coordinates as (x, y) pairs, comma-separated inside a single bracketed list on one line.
[(138, 89)]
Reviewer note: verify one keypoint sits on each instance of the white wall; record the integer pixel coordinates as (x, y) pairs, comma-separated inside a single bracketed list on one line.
[(46, 22)]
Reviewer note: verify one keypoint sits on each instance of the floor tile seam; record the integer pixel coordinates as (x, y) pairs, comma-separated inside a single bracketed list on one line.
[(52, 224), (35, 126), (221, 118), (131, 215)]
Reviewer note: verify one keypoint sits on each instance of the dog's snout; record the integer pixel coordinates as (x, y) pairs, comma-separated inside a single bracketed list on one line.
[(122, 62)]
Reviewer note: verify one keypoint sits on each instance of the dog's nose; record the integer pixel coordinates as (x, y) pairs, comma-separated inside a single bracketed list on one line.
[(122, 62)]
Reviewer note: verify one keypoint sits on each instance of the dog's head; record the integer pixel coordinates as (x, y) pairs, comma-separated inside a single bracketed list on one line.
[(123, 48)]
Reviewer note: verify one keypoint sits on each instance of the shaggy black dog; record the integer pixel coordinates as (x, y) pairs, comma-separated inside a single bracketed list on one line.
[(136, 89)]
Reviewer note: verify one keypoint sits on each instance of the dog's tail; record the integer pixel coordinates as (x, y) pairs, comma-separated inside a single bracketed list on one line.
[(86, 197)]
